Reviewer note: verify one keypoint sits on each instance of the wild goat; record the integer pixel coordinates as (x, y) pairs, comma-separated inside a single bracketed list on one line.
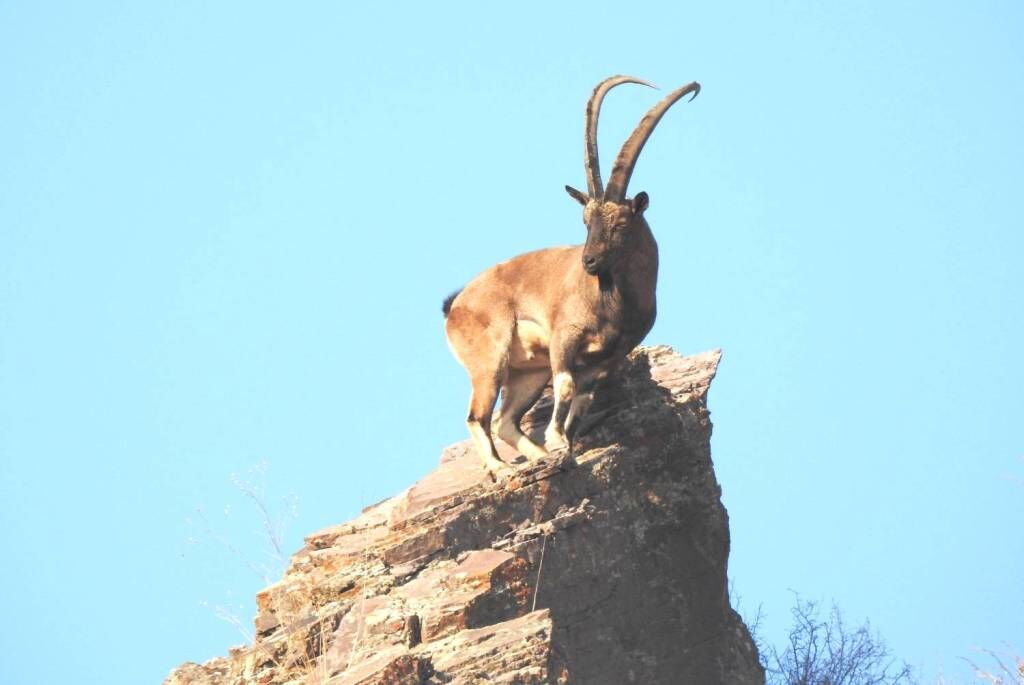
[(567, 313)]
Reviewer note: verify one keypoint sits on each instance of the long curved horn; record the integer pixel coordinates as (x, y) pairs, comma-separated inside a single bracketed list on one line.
[(624, 163), (590, 160)]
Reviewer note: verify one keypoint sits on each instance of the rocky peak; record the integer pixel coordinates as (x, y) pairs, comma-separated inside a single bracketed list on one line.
[(610, 571)]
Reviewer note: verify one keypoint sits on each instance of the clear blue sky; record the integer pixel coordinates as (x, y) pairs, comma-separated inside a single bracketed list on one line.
[(226, 230)]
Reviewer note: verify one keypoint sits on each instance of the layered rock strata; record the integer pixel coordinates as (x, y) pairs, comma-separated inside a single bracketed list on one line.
[(611, 570)]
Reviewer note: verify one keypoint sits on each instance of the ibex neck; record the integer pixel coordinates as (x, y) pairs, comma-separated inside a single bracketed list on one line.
[(632, 282)]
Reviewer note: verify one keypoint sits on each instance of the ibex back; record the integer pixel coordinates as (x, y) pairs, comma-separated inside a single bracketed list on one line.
[(570, 314)]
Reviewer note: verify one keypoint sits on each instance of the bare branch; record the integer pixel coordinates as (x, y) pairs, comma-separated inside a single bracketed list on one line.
[(826, 651)]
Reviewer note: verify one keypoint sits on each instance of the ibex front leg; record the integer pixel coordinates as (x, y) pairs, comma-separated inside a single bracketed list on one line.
[(588, 383), (563, 386)]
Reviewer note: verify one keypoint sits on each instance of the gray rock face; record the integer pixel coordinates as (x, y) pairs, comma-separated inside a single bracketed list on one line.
[(609, 572)]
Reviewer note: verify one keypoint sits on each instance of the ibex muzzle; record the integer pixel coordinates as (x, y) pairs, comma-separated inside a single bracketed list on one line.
[(568, 315)]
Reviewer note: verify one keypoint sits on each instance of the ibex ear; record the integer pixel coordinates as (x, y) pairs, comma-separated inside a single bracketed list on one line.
[(577, 195), (640, 203)]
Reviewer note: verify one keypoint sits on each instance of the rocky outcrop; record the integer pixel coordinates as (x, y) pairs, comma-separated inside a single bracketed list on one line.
[(612, 570)]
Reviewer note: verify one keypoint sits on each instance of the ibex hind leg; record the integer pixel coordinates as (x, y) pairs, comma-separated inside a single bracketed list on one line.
[(520, 391), (481, 407), (481, 347)]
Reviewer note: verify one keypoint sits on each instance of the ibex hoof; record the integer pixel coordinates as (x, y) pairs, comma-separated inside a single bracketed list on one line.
[(554, 442), (499, 471), (563, 459), (582, 426)]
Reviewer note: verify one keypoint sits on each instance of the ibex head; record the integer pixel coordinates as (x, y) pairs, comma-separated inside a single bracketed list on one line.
[(612, 218), (610, 228)]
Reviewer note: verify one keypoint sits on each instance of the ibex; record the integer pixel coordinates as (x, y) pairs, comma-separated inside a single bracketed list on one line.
[(570, 314)]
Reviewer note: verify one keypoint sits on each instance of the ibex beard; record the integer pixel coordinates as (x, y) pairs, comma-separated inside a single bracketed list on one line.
[(568, 315)]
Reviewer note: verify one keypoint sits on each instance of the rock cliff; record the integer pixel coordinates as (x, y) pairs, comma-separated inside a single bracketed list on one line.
[(612, 571)]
